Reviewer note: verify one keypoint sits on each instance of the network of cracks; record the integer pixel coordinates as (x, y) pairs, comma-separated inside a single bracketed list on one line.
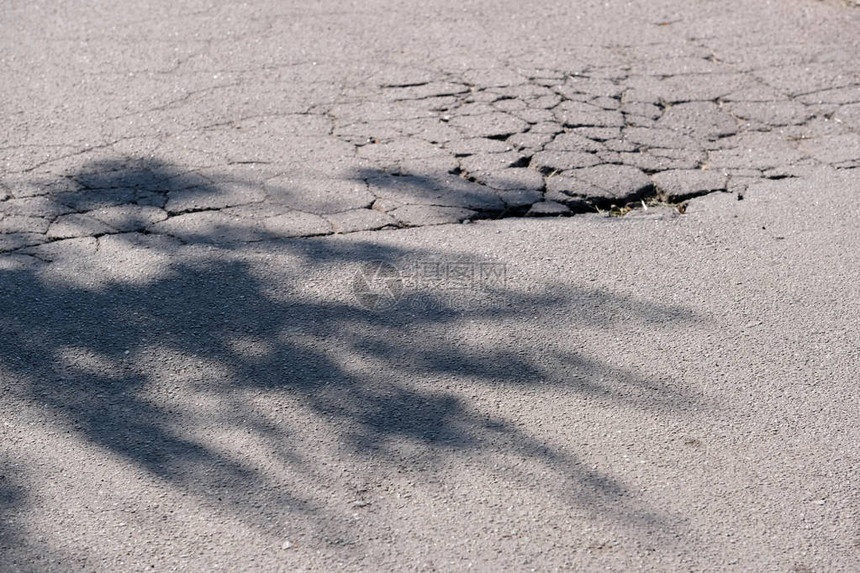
[(415, 149)]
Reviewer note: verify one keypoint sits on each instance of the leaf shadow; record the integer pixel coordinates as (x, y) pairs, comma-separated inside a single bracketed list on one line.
[(122, 357)]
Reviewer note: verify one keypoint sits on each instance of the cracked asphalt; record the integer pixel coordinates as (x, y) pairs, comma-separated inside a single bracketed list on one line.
[(429, 286), (233, 124)]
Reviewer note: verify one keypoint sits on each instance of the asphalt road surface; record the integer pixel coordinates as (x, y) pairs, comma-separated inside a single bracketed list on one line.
[(435, 286)]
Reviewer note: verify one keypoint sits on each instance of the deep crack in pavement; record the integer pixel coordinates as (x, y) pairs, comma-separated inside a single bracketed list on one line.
[(244, 326), (617, 128)]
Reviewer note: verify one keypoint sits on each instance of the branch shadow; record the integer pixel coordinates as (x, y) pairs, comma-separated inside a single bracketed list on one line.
[(126, 359)]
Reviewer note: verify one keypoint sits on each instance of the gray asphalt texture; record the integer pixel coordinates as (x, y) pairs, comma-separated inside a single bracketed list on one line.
[(433, 286)]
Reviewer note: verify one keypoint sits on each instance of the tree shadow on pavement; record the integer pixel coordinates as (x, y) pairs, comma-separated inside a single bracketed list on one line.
[(162, 353)]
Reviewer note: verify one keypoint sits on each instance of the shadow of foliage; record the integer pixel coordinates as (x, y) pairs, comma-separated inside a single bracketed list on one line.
[(117, 357)]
